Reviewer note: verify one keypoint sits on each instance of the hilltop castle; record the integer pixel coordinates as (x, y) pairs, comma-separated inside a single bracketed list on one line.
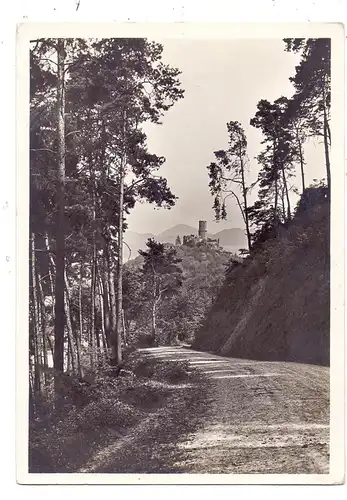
[(192, 239)]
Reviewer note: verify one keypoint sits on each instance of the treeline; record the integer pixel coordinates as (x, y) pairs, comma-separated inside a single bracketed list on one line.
[(89, 165), (287, 124)]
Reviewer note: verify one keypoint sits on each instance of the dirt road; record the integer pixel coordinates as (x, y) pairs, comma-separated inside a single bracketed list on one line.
[(258, 417)]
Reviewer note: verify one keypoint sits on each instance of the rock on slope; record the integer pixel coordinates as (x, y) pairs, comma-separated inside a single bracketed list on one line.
[(276, 306)]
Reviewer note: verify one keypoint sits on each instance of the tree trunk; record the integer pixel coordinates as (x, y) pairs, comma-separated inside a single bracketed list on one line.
[(326, 148), (71, 350), (106, 304), (112, 302), (301, 158), (92, 332), (244, 194), (275, 166), (283, 203), (68, 358), (328, 132), (117, 333), (276, 202), (42, 309), (35, 317), (154, 321), (32, 409), (80, 317), (59, 320), (51, 273), (102, 313), (285, 186), (51, 267)]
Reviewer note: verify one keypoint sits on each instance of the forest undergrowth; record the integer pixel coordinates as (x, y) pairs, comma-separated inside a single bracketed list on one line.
[(103, 408)]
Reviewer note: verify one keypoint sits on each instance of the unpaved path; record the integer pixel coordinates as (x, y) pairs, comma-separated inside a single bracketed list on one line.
[(258, 417)]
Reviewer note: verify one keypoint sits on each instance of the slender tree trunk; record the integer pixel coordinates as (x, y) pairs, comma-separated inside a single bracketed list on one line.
[(32, 409), (117, 334), (155, 300), (326, 146), (275, 166), (37, 378), (285, 187), (97, 339), (276, 196), (301, 158), (92, 332), (42, 309), (244, 194), (71, 351), (59, 319), (105, 291), (68, 357), (51, 267), (284, 214), (80, 311), (328, 132), (51, 274), (51, 348), (276, 202), (35, 317), (154, 320), (102, 313), (80, 317), (112, 301), (76, 356)]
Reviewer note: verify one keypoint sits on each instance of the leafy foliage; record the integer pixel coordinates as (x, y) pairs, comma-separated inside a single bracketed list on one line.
[(312, 83), (228, 175), (203, 266)]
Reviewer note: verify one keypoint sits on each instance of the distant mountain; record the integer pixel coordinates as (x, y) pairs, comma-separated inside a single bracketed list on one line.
[(230, 239), (170, 235), (135, 242)]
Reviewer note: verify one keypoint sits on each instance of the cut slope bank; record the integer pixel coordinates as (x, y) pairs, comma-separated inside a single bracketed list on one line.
[(275, 306)]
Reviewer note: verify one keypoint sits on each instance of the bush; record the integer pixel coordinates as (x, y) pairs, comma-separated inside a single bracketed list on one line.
[(147, 367), (66, 445), (63, 439), (171, 371), (103, 413), (146, 396), (141, 367)]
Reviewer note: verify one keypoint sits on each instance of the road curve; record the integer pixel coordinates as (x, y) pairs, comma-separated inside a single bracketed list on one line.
[(259, 417)]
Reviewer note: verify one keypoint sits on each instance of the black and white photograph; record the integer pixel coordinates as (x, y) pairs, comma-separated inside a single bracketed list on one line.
[(178, 254)]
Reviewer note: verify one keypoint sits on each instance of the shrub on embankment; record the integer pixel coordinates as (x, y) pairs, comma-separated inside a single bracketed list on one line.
[(276, 305)]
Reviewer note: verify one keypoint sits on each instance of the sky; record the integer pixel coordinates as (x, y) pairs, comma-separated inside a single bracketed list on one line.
[(223, 80)]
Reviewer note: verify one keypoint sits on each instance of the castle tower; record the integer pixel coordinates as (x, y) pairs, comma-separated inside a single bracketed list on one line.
[(202, 229)]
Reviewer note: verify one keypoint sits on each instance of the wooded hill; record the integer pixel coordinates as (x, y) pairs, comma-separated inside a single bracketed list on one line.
[(180, 304)]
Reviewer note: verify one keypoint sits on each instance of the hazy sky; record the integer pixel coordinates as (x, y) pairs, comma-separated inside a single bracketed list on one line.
[(223, 81)]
